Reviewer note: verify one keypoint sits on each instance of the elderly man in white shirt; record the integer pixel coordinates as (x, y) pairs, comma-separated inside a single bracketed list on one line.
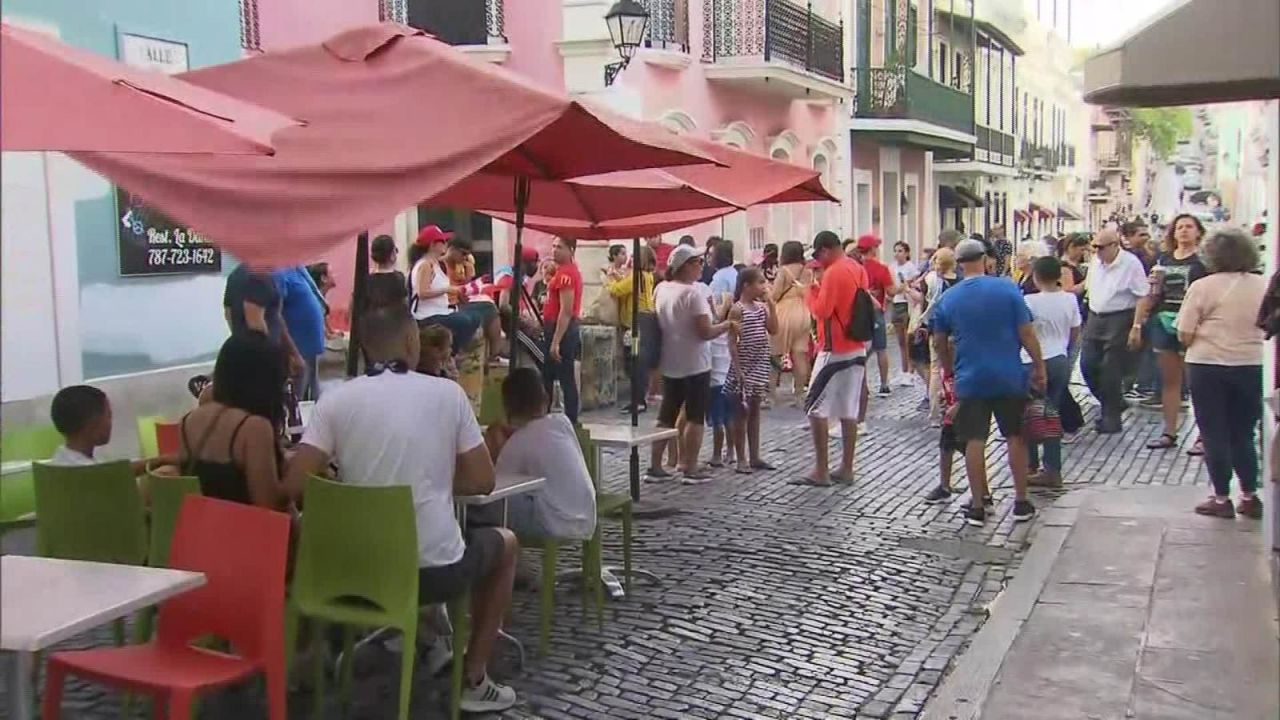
[(1115, 283)]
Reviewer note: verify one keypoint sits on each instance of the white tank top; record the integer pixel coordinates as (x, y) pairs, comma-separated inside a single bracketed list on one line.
[(438, 305)]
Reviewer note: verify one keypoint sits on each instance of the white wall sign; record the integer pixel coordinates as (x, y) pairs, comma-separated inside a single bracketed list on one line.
[(149, 53)]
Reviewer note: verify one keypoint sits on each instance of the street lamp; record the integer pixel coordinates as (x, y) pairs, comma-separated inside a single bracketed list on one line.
[(627, 21)]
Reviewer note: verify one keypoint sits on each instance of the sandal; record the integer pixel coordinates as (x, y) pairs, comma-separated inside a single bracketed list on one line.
[(743, 470), (654, 474), (810, 481), (695, 475), (1164, 442), (842, 479), (1196, 449), (715, 464), (762, 465)]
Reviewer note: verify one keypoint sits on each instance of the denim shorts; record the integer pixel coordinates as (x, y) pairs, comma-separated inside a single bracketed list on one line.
[(1161, 339), (720, 408), (879, 338)]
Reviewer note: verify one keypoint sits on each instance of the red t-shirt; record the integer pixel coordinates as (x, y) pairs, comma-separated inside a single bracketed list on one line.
[(662, 253), (567, 277), (879, 280), (831, 302)]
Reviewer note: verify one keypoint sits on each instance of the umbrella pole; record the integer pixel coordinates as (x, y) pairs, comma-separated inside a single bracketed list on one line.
[(358, 293), (517, 263), (638, 384)]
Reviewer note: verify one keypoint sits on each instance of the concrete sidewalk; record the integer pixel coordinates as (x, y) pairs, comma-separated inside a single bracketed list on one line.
[(1127, 606)]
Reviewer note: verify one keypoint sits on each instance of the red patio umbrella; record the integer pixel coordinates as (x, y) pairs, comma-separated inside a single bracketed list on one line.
[(57, 97), (393, 118)]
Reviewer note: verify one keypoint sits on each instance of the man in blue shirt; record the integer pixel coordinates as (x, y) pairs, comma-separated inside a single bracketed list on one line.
[(988, 322), (725, 278), (303, 310)]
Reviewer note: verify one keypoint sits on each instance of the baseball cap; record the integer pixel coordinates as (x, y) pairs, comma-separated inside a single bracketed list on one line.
[(432, 234), (681, 255), (529, 253), (868, 242), (970, 250)]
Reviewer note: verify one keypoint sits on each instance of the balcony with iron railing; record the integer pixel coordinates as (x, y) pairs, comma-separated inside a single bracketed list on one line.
[(994, 146), (1039, 158), (783, 40), (668, 27), (459, 22), (902, 93)]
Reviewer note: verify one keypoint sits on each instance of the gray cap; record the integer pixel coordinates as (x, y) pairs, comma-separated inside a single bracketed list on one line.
[(970, 250), (681, 255)]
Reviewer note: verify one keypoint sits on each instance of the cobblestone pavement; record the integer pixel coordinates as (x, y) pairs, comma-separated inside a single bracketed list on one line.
[(776, 601)]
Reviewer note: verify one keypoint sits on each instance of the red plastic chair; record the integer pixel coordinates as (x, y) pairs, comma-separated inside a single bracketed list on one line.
[(242, 551), (169, 438)]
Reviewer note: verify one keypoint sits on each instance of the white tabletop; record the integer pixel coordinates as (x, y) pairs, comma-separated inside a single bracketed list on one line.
[(625, 436), (504, 486), (14, 466), (45, 601)]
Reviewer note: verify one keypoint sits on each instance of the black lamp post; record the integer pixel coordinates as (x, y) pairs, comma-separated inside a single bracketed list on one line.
[(627, 21)]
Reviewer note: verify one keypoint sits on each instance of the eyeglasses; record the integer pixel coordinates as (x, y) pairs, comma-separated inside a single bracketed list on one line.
[(1103, 246)]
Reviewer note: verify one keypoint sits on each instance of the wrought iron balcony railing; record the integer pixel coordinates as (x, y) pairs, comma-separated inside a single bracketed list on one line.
[(668, 24), (459, 22), (998, 146), (898, 92), (775, 30)]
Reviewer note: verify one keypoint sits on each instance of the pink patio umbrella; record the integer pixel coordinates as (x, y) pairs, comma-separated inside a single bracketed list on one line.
[(393, 118), (57, 97)]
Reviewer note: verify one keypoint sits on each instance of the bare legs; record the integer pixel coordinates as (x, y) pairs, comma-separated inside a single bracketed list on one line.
[(745, 432), (849, 437), (1171, 367), (900, 329), (489, 602), (975, 463), (800, 369)]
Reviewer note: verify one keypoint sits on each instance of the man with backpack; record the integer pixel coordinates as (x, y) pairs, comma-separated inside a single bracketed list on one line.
[(844, 313)]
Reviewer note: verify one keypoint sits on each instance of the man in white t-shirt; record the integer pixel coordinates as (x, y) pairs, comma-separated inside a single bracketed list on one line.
[(540, 444), (1055, 316), (398, 427), (684, 317)]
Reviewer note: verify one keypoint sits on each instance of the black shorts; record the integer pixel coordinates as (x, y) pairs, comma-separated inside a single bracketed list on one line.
[(947, 442), (973, 417), (447, 582), (692, 394)]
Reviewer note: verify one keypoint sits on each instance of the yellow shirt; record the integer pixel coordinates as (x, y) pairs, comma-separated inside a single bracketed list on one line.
[(621, 289)]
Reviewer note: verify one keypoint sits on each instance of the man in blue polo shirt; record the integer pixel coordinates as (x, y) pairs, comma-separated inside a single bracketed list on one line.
[(303, 311), (979, 328)]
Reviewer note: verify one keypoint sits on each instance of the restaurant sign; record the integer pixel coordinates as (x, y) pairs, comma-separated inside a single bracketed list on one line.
[(149, 242)]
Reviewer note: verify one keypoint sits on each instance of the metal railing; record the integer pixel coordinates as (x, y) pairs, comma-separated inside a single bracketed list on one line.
[(998, 145), (668, 24), (775, 30), (898, 92), (460, 22)]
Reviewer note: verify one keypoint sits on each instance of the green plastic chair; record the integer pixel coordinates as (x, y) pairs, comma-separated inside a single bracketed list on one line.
[(29, 443), (357, 566), (148, 444), (167, 493), (17, 500), (592, 560), (93, 513)]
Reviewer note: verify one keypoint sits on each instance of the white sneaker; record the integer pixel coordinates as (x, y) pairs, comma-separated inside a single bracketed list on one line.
[(488, 696)]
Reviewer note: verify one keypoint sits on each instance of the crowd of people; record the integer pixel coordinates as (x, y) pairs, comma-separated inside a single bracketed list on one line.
[(986, 331)]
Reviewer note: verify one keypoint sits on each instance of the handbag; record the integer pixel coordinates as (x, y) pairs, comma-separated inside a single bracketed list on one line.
[(604, 309), (1041, 421)]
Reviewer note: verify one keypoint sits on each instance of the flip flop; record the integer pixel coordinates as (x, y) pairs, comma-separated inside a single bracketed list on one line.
[(1196, 449), (657, 475), (811, 482), (1164, 442), (743, 471), (842, 479), (715, 464), (698, 474), (762, 465)]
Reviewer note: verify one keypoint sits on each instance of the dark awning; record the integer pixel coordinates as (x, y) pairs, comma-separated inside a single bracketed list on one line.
[(1068, 214), (947, 198), (971, 199), (1152, 67)]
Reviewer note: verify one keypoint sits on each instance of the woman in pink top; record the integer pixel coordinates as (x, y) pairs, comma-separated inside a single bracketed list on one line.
[(1217, 325)]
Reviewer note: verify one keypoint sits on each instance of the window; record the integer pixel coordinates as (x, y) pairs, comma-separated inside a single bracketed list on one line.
[(955, 71), (942, 63)]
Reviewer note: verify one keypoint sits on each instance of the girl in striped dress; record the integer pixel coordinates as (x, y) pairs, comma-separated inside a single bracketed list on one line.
[(755, 318)]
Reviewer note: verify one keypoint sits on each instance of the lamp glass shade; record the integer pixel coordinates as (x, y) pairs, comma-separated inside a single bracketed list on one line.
[(627, 21)]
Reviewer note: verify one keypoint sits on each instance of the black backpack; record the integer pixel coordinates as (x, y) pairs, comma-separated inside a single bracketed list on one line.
[(862, 318)]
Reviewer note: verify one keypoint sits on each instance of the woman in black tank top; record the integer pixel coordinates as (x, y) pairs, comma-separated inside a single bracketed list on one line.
[(231, 443)]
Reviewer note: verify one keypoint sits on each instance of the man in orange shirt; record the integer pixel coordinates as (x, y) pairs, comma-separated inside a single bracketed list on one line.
[(838, 382)]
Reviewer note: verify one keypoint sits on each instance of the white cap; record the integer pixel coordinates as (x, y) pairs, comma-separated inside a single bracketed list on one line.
[(681, 255)]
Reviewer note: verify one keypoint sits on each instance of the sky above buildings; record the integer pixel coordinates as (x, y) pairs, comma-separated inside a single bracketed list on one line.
[(1104, 22)]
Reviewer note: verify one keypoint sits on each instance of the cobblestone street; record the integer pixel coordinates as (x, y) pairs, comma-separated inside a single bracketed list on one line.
[(776, 601)]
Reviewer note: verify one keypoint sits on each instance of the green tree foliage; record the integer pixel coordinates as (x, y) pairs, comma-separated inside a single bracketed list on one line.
[(1162, 128)]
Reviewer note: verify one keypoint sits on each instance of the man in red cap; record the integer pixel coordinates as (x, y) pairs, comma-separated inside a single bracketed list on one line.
[(881, 286)]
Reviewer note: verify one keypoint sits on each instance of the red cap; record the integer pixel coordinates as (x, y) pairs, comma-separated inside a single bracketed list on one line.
[(529, 253), (432, 234), (868, 242)]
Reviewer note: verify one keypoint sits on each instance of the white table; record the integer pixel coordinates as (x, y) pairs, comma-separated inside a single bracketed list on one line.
[(628, 437), (45, 601)]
